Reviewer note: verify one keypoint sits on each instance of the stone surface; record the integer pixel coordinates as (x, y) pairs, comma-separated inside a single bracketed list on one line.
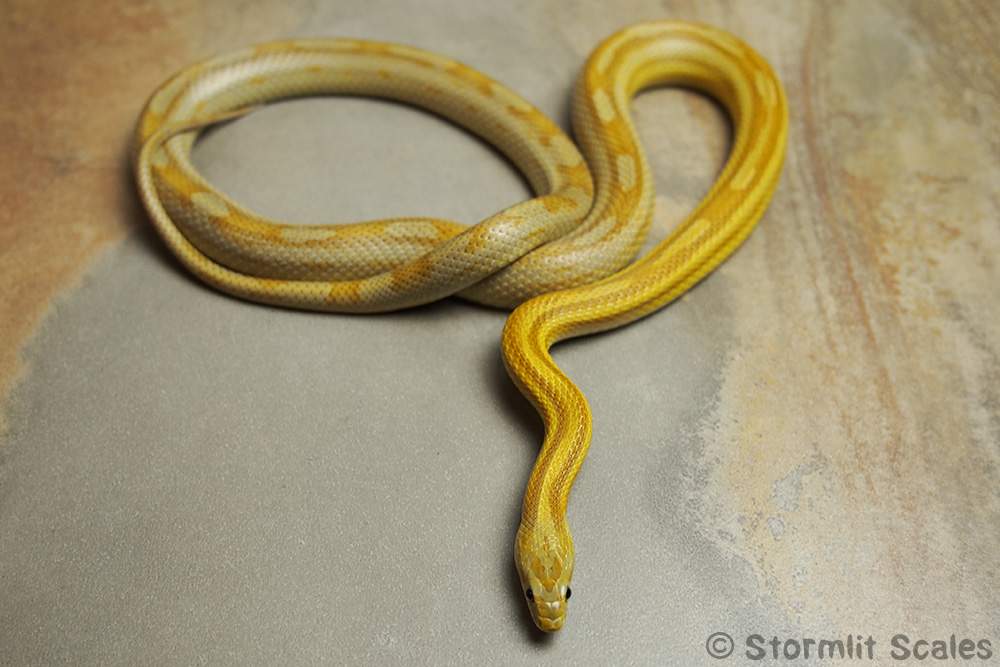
[(807, 445)]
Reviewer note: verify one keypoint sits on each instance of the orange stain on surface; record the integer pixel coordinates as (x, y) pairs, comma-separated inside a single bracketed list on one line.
[(83, 158)]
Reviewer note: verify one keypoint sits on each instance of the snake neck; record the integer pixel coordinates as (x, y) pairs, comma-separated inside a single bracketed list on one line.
[(562, 406)]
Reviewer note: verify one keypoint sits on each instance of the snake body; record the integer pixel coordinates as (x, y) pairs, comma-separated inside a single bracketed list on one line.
[(561, 259)]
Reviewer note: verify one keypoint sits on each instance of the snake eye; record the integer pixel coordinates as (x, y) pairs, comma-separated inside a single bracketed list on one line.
[(529, 594), (569, 591)]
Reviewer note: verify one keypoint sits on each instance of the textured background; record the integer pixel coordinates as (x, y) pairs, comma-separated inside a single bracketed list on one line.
[(806, 445)]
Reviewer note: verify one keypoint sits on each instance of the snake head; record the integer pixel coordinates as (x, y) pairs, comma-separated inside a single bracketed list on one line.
[(544, 560)]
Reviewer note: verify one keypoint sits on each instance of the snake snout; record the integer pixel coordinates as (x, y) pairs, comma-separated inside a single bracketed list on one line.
[(550, 624), (550, 615)]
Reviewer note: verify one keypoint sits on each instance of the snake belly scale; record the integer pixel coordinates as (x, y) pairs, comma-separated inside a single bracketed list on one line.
[(561, 260)]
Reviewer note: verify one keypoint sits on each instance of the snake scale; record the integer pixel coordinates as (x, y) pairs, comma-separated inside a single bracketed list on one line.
[(562, 260)]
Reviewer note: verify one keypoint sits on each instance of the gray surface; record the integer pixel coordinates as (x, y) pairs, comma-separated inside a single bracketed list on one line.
[(806, 447), (196, 479)]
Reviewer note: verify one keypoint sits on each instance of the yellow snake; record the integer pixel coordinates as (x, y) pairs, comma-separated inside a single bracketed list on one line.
[(563, 256)]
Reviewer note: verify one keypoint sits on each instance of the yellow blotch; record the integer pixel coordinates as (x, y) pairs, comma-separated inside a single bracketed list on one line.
[(602, 103), (626, 171), (556, 203), (743, 178), (568, 155), (149, 124), (159, 102), (419, 229), (726, 42), (474, 77), (159, 158), (298, 234), (765, 86), (403, 51), (368, 289), (643, 30), (513, 100), (597, 232), (533, 118), (344, 292), (348, 45), (577, 195), (577, 175), (701, 229), (602, 58), (273, 47), (210, 204)]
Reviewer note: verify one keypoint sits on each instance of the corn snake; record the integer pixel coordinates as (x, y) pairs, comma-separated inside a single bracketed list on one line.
[(561, 260)]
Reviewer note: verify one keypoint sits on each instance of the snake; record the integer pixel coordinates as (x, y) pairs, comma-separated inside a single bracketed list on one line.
[(565, 261)]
